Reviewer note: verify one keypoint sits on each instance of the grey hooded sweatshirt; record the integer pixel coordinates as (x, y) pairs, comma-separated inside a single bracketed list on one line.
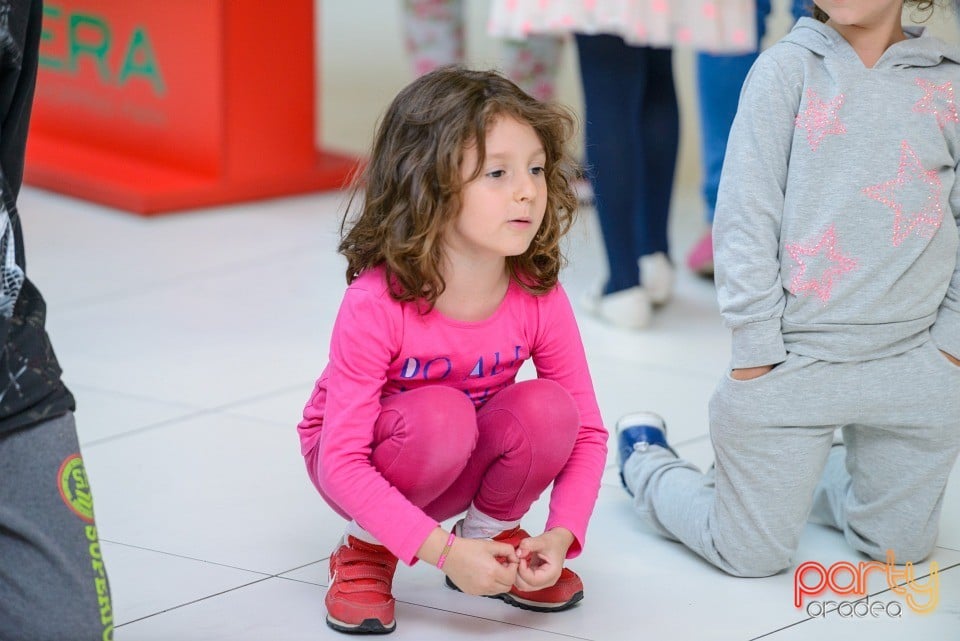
[(836, 231)]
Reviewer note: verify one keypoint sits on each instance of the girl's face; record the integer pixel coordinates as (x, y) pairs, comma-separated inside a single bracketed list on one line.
[(862, 13), (503, 207)]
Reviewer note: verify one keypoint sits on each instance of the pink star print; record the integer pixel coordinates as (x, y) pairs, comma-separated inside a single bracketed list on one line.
[(820, 118), (926, 220), (937, 100), (837, 264)]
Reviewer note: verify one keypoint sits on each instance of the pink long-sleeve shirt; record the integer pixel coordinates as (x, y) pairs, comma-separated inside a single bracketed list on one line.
[(380, 347)]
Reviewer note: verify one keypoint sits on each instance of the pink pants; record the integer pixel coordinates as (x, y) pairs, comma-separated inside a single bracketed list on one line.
[(443, 454)]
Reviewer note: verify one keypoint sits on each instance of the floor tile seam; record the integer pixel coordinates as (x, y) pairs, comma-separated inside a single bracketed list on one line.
[(301, 581), (561, 635), (276, 422), (282, 574), (87, 445), (448, 611), (194, 601), (304, 581), (277, 391), (82, 387), (218, 409), (410, 603), (780, 629), (301, 567), (230, 408), (189, 558), (262, 419), (277, 574)]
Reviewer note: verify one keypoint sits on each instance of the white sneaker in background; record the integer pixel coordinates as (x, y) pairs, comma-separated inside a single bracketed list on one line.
[(583, 190), (629, 308), (657, 276)]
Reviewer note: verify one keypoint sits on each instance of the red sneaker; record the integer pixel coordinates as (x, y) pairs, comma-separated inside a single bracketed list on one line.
[(567, 591), (359, 599)]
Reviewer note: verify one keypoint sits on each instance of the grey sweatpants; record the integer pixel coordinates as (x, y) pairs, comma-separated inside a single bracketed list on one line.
[(776, 463), (53, 585)]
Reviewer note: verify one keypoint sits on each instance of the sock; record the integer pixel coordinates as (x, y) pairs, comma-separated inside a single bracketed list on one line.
[(477, 525), (358, 532)]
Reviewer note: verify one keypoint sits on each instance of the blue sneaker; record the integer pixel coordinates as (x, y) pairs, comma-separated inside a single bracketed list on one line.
[(637, 432)]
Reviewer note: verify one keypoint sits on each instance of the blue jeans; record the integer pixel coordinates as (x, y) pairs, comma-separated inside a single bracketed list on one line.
[(719, 79), (632, 130)]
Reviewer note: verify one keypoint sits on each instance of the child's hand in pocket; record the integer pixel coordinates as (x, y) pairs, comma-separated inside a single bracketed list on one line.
[(952, 359), (748, 373)]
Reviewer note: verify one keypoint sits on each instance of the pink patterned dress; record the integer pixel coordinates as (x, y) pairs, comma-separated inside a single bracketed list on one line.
[(715, 26)]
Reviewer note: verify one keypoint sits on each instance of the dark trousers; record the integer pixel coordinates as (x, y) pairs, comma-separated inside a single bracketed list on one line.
[(632, 133)]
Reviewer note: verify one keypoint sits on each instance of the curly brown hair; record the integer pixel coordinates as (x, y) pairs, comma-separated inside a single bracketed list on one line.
[(921, 6), (409, 191)]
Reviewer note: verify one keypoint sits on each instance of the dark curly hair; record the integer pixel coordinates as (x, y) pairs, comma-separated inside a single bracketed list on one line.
[(921, 6), (408, 193)]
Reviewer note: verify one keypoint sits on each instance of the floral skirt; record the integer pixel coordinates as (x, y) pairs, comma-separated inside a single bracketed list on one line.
[(715, 26)]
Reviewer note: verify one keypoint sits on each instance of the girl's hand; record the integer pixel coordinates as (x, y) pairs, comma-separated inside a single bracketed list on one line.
[(747, 373), (541, 559), (481, 566), (952, 359)]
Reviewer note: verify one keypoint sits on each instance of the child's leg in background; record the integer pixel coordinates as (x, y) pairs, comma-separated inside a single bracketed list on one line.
[(434, 37), (527, 432), (433, 33), (532, 64), (422, 442), (632, 131), (771, 437), (719, 79), (884, 488)]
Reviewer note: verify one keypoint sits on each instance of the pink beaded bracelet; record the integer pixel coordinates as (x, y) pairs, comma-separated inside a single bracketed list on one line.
[(446, 550)]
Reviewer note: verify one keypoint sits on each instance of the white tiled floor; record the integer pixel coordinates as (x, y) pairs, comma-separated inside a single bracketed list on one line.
[(192, 342)]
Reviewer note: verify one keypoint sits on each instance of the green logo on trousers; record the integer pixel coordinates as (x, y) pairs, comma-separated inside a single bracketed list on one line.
[(74, 487)]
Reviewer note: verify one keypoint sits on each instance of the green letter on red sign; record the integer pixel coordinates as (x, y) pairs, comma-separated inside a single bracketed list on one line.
[(90, 36)]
